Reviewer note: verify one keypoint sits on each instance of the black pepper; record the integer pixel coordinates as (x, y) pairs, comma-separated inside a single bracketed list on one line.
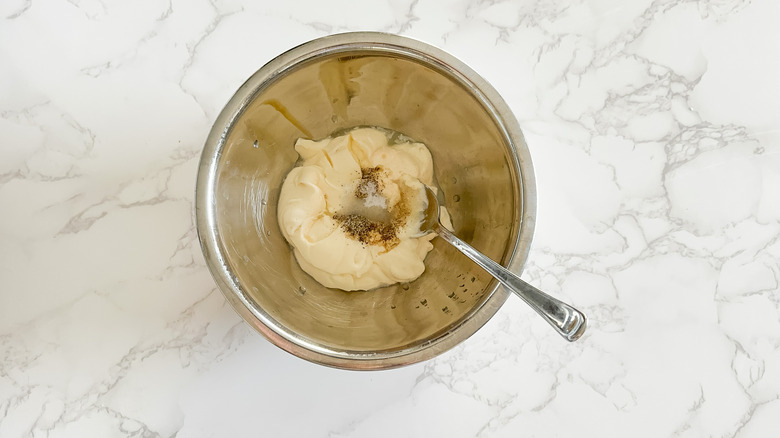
[(369, 231), (370, 182)]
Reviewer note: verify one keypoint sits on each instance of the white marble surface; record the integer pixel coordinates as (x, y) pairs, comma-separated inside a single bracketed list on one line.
[(653, 126)]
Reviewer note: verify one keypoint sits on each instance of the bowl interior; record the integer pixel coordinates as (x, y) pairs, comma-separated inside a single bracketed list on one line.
[(328, 93)]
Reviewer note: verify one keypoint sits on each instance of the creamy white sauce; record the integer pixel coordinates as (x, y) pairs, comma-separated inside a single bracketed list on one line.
[(342, 239)]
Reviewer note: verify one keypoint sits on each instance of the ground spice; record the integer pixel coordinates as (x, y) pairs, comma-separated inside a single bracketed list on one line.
[(369, 231), (370, 183)]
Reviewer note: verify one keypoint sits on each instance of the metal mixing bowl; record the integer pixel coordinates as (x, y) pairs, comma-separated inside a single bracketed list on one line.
[(329, 85)]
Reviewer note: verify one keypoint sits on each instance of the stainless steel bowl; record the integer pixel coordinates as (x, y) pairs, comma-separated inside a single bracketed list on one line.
[(329, 85)]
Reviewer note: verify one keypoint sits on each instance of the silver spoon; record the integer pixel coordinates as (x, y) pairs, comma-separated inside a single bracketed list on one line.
[(567, 321)]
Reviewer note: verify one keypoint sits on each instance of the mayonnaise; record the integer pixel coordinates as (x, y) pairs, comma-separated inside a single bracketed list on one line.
[(352, 209)]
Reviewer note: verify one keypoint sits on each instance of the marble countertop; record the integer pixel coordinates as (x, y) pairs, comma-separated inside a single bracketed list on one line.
[(654, 130)]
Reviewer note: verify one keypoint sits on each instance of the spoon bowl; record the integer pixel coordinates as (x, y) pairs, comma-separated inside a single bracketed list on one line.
[(565, 319)]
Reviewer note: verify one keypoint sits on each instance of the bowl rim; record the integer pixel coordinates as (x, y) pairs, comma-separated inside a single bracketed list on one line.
[(205, 215)]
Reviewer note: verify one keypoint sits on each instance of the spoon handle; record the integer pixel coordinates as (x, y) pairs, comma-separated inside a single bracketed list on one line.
[(567, 321)]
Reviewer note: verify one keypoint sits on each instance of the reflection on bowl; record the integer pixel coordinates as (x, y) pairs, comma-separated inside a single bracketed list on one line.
[(327, 86)]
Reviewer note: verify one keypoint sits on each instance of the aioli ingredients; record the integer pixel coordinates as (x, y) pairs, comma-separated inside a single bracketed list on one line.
[(352, 208)]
